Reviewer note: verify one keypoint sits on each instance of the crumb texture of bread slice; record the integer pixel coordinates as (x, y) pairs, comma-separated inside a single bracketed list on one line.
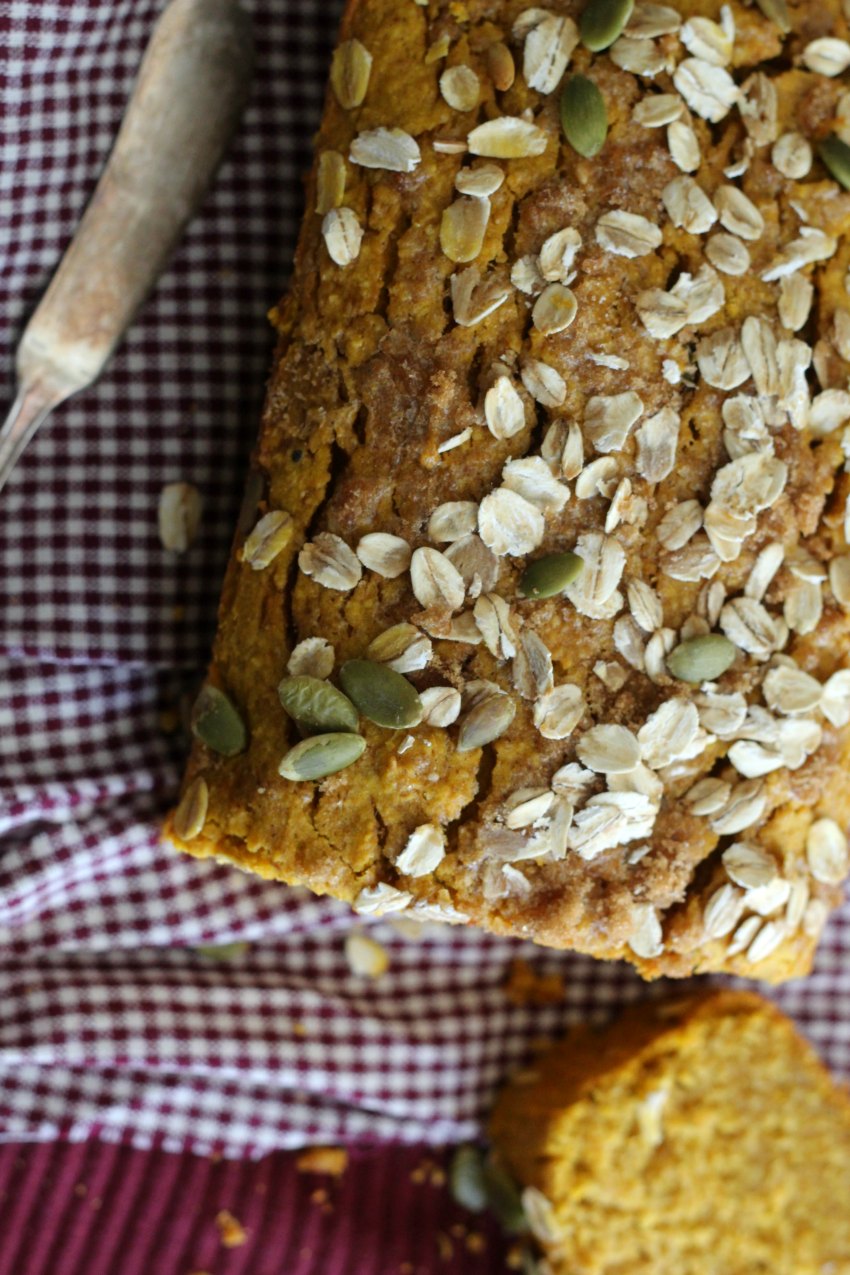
[(701, 1137), (500, 352)]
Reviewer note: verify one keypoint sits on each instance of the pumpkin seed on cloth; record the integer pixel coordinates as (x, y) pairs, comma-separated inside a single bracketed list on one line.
[(467, 1184), (702, 659), (216, 722), (316, 705), (604, 21), (584, 117), (503, 1199), (381, 694), (223, 951), (530, 1263), (550, 575), (321, 755), (836, 157)]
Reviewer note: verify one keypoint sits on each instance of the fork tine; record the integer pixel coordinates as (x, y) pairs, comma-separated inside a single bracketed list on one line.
[(28, 411)]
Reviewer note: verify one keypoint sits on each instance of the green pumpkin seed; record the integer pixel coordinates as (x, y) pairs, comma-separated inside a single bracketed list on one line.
[(466, 1179), (503, 1199), (223, 951), (487, 720), (216, 722), (530, 1263), (381, 694), (550, 575), (836, 156), (584, 118), (321, 755), (777, 12), (702, 659), (316, 705), (603, 21), (191, 814)]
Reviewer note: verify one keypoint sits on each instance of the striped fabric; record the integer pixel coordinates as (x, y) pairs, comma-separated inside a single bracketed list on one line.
[(95, 1210)]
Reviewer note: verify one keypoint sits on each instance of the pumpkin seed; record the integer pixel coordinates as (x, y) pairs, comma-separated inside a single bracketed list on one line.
[(381, 694), (321, 755), (466, 1179), (216, 722), (584, 118), (777, 12), (316, 705), (603, 21), (223, 951), (836, 156), (503, 1199), (530, 1264), (485, 722), (550, 575), (191, 813), (702, 659)]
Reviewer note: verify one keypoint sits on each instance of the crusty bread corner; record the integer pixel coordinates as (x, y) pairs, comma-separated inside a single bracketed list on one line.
[(698, 1135), (683, 433)]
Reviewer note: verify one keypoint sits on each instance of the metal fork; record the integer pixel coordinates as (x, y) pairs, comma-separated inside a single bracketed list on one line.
[(190, 92)]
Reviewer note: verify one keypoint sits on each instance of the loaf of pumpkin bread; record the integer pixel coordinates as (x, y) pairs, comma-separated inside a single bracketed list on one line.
[(701, 1136), (538, 616)]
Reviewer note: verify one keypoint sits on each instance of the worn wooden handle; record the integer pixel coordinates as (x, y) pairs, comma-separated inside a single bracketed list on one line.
[(190, 92)]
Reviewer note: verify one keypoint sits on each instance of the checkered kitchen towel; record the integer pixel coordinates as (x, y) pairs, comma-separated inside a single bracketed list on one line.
[(111, 1022)]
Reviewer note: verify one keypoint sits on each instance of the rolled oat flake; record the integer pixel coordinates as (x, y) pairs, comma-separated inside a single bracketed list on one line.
[(316, 705), (216, 722), (486, 722), (381, 694), (268, 539), (321, 755), (190, 815)]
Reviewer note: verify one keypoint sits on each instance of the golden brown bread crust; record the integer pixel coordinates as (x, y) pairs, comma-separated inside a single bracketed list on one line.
[(697, 1135), (373, 373)]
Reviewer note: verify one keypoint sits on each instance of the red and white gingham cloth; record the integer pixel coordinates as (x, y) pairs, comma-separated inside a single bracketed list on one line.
[(110, 1022)]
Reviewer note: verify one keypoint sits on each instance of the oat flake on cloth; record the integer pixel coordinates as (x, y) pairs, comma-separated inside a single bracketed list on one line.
[(111, 1023)]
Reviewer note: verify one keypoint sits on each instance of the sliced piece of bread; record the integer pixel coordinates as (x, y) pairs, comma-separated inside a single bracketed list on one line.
[(698, 1137)]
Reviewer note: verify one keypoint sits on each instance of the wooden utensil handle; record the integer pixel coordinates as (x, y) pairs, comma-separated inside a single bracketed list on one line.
[(191, 89)]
